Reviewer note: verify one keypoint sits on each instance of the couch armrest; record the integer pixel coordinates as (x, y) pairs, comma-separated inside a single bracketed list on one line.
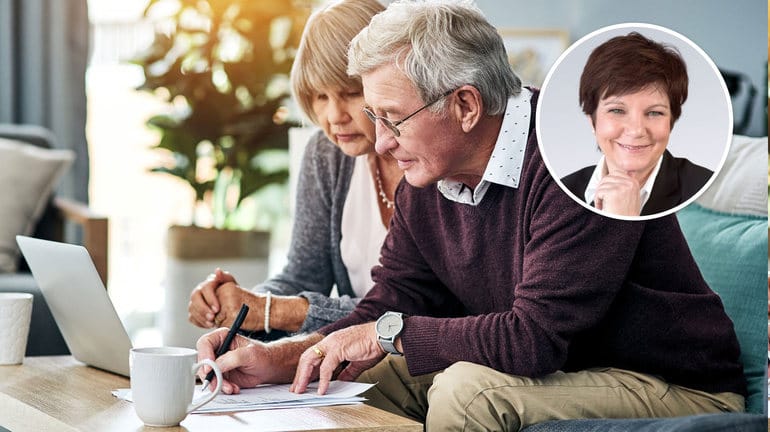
[(95, 230)]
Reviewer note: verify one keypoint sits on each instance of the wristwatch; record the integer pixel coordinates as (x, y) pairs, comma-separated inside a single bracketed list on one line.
[(388, 327)]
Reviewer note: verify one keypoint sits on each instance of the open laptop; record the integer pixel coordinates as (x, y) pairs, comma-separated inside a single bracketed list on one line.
[(79, 303)]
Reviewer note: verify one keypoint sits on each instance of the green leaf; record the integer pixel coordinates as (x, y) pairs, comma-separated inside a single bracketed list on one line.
[(224, 100)]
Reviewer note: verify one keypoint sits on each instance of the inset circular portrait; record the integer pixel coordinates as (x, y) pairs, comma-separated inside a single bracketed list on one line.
[(634, 121)]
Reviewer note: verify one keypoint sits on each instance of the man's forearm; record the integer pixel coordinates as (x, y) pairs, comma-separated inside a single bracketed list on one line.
[(284, 354)]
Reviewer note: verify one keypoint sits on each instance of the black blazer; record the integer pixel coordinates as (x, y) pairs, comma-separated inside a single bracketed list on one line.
[(678, 180)]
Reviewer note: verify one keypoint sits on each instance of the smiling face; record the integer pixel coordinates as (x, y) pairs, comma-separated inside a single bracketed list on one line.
[(339, 113), (633, 130)]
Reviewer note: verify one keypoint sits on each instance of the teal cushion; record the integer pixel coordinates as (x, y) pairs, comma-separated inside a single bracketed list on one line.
[(731, 252)]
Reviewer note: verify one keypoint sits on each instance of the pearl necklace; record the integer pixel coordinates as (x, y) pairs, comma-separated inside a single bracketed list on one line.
[(383, 197)]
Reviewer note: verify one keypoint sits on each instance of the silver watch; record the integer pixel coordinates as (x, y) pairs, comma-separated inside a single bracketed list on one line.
[(388, 327)]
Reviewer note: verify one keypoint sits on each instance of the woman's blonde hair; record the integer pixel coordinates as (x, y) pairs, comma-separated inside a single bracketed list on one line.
[(322, 57)]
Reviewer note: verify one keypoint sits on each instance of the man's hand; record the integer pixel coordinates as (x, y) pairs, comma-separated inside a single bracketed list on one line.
[(356, 344), (618, 194), (204, 305), (250, 363), (244, 365)]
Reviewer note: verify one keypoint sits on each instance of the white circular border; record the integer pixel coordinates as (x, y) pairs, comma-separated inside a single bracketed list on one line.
[(631, 26)]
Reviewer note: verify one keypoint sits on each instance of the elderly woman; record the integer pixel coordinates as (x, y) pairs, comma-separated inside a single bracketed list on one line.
[(632, 90), (344, 198)]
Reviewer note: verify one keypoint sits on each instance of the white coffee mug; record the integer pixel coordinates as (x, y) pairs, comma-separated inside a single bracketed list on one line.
[(163, 384), (15, 315)]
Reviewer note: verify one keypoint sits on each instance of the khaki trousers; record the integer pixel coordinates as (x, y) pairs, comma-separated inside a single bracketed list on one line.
[(471, 397)]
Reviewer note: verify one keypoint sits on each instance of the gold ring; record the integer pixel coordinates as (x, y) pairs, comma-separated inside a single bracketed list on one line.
[(318, 351)]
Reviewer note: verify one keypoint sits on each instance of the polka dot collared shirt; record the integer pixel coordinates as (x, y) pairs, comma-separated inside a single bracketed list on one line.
[(504, 166)]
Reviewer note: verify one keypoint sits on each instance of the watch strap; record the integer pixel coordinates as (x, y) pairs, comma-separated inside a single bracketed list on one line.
[(389, 346)]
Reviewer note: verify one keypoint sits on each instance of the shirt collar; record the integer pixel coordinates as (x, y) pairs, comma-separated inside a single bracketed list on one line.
[(504, 166), (644, 191)]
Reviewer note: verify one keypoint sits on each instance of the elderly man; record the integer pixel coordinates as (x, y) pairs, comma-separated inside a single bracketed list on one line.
[(499, 302)]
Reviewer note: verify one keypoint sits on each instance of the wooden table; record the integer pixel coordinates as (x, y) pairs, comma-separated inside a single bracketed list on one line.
[(62, 394)]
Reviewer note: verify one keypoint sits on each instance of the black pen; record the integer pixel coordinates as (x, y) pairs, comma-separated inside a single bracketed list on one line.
[(228, 340)]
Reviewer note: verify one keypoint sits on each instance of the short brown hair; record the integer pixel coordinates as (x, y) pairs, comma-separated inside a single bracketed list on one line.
[(627, 64), (322, 57)]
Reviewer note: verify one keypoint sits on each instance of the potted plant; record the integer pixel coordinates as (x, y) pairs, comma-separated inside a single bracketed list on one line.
[(223, 67)]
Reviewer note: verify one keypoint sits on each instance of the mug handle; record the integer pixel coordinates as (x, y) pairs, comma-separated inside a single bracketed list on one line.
[(194, 405)]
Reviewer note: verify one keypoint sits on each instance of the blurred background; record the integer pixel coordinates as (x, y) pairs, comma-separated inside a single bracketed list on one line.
[(99, 71)]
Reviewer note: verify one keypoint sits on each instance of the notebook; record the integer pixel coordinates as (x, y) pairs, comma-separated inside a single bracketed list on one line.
[(79, 303)]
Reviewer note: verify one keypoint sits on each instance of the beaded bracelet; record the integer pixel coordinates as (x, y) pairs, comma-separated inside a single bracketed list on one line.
[(267, 312)]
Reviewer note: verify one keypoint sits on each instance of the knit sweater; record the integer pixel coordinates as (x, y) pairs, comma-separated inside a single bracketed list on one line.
[(314, 262), (529, 282)]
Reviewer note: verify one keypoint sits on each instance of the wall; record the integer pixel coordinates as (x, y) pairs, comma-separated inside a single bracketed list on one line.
[(732, 33)]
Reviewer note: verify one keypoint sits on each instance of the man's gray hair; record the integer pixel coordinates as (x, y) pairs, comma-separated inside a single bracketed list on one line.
[(439, 45)]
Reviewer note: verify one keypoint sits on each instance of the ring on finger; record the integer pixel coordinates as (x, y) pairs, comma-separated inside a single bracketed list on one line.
[(318, 352)]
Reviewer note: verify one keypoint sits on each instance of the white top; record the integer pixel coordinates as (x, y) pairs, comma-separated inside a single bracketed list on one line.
[(504, 166), (601, 169), (362, 229)]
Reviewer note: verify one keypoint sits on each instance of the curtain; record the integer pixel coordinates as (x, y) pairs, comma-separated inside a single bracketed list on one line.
[(43, 57)]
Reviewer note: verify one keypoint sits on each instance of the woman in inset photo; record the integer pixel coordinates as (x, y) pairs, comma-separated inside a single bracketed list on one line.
[(632, 91)]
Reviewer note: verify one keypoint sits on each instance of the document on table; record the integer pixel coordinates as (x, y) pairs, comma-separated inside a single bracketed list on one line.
[(275, 396)]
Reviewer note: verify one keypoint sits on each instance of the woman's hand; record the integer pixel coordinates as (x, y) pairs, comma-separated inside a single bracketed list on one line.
[(216, 302), (618, 194), (204, 304), (231, 296)]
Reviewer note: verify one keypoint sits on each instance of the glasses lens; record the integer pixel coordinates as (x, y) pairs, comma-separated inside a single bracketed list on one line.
[(393, 128), (371, 115), (385, 121)]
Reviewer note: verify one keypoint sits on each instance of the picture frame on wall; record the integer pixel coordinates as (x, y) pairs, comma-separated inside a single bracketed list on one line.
[(532, 52)]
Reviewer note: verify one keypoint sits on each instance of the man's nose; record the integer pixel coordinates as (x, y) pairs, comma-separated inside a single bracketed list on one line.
[(384, 141)]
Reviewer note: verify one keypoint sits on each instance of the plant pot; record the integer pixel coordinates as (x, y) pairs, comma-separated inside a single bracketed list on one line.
[(192, 254)]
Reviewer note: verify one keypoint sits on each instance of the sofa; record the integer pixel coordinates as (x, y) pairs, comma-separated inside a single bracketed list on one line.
[(726, 229), (30, 169)]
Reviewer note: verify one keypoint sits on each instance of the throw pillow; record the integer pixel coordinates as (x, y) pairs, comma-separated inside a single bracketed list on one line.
[(730, 250), (28, 175), (740, 186)]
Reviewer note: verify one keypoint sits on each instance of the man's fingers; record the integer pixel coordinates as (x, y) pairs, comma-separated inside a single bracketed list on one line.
[(235, 357), (206, 347), (328, 366), (308, 361), (230, 360)]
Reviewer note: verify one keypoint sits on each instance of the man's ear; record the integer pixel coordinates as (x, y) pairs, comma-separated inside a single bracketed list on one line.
[(467, 107)]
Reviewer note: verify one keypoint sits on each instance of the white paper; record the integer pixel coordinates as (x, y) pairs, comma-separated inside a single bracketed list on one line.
[(275, 397)]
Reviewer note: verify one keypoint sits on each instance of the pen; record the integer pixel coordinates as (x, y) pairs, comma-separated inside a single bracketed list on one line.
[(228, 340)]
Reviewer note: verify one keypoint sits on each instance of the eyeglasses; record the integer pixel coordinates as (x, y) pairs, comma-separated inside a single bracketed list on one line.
[(393, 126)]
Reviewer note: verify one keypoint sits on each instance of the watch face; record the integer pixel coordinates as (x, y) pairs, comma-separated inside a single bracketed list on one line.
[(389, 325)]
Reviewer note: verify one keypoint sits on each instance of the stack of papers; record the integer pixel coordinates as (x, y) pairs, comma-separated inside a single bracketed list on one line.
[(274, 397)]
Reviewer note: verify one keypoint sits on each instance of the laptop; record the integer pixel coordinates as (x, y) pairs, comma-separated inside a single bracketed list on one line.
[(79, 303)]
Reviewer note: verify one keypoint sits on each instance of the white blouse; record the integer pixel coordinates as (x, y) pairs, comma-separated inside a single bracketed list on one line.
[(362, 229)]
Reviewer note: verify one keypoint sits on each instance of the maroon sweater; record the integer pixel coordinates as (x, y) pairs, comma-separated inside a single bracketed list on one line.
[(529, 282)]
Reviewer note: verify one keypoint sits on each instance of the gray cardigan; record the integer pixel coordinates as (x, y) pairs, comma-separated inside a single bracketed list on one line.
[(314, 261)]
